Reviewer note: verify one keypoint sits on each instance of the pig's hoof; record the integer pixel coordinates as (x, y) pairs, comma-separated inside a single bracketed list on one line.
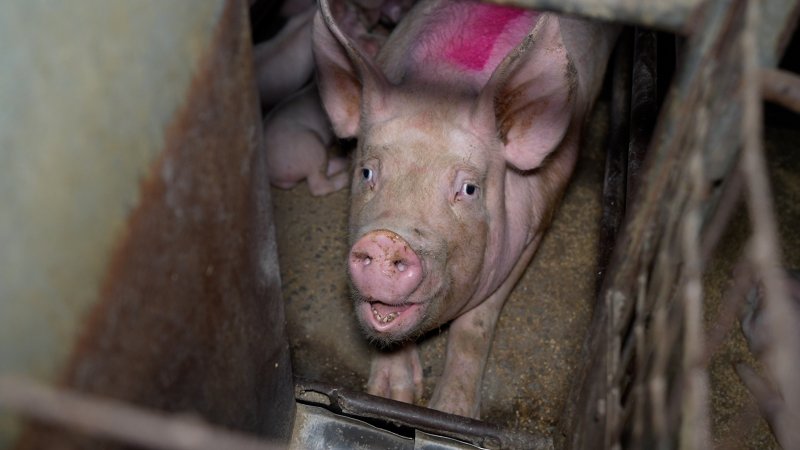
[(458, 406), (455, 397)]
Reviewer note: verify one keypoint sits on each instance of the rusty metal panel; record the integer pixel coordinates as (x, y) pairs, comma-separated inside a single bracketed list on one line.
[(83, 118), (138, 258)]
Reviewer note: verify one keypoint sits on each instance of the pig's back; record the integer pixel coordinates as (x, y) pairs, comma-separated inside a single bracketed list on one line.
[(451, 41)]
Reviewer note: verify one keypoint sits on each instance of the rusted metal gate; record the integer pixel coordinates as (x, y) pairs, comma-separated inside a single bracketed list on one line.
[(644, 381)]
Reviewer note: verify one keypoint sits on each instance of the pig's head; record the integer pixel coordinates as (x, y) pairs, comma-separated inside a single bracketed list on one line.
[(429, 219)]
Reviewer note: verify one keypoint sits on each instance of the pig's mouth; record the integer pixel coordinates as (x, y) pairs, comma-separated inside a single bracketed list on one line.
[(383, 313), (392, 321), (390, 316)]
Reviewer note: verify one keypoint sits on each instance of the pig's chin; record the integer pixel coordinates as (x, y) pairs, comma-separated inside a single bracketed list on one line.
[(387, 324)]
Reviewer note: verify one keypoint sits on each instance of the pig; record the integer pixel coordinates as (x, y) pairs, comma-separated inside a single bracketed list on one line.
[(468, 123), (285, 63), (297, 138), (291, 8), (297, 133)]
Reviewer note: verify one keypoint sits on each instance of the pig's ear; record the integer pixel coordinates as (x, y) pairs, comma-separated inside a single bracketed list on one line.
[(350, 85), (530, 96)]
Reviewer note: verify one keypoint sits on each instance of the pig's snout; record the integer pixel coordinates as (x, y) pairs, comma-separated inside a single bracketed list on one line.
[(383, 267)]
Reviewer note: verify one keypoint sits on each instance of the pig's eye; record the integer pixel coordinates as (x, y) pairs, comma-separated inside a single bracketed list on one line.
[(468, 190), (366, 174), (367, 177)]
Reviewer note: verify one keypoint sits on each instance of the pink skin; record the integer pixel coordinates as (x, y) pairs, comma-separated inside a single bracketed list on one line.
[(385, 271), (468, 126), (297, 138), (753, 318), (383, 267), (487, 22), (291, 8), (285, 63), (297, 133), (393, 10)]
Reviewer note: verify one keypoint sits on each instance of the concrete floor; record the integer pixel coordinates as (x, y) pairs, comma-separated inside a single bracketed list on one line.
[(537, 343)]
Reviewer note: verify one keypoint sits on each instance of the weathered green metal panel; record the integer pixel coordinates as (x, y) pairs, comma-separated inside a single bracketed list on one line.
[(86, 89), (137, 257)]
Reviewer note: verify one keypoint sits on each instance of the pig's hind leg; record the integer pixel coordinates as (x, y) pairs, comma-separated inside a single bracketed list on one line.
[(295, 154), (468, 343)]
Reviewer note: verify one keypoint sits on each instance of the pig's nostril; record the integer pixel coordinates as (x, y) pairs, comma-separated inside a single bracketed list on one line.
[(384, 267), (363, 258)]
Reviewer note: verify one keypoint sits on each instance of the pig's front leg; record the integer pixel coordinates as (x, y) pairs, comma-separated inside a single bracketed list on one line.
[(468, 343), (396, 374)]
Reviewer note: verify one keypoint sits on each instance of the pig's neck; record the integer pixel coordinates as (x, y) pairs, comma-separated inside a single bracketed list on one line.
[(466, 41), (527, 208)]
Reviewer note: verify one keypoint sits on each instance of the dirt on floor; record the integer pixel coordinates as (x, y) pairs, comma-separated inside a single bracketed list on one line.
[(537, 344)]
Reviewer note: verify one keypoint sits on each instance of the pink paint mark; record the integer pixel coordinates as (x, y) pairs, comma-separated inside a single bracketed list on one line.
[(472, 48)]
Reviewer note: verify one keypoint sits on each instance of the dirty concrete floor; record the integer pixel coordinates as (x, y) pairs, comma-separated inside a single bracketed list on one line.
[(535, 351)]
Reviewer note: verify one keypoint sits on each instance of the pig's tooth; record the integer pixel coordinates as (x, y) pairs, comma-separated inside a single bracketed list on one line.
[(390, 317), (384, 319)]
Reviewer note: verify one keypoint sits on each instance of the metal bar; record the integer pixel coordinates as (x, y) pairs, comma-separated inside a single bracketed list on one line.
[(644, 103), (111, 419), (616, 154), (365, 406), (695, 410), (782, 354)]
